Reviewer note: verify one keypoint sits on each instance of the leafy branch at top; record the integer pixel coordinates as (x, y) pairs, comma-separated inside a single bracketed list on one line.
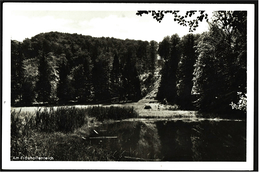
[(180, 19)]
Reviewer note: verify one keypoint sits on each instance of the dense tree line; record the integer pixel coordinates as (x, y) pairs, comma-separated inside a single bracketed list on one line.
[(207, 71), (179, 56), (61, 68)]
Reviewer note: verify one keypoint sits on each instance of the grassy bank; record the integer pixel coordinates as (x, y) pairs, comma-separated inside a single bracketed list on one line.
[(60, 134)]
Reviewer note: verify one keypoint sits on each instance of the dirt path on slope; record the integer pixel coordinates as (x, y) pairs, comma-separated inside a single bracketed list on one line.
[(149, 107)]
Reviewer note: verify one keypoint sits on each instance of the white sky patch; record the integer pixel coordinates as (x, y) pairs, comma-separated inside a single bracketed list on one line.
[(23, 27), (118, 24), (120, 27)]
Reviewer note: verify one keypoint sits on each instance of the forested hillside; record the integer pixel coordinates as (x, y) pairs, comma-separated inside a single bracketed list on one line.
[(60, 68)]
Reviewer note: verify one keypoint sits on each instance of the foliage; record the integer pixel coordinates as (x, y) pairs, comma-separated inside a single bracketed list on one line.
[(100, 80), (27, 92), (231, 21), (77, 68), (17, 69), (220, 70), (185, 71), (43, 85), (147, 80), (241, 104), (64, 119), (143, 53), (167, 87), (115, 77), (115, 113), (130, 78), (180, 19), (164, 48), (21, 129), (82, 79), (153, 56), (63, 86)]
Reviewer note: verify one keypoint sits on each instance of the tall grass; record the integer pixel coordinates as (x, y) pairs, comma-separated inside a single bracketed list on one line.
[(64, 119), (22, 125), (115, 113), (44, 133)]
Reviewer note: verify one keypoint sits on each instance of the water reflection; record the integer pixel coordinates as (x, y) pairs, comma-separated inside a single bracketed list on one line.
[(176, 140)]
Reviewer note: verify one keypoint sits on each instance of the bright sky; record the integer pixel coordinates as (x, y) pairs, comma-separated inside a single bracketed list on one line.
[(26, 20)]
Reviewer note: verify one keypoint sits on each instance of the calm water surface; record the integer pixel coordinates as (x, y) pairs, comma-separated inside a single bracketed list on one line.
[(175, 140)]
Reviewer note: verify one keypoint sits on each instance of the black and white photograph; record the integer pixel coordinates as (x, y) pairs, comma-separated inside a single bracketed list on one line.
[(128, 86)]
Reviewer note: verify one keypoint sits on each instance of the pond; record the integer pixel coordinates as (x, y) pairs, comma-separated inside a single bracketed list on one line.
[(174, 140)]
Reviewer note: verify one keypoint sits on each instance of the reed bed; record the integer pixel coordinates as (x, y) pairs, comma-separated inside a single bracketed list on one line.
[(52, 133)]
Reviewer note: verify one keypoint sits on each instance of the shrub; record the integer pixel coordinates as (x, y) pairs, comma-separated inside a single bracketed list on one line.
[(115, 113), (242, 103)]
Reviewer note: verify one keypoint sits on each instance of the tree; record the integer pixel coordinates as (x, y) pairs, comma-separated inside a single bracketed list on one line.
[(231, 21), (167, 88), (153, 56), (28, 84), (209, 70), (142, 54), (185, 72), (131, 82), (27, 92), (115, 72), (100, 79), (164, 48), (16, 72), (43, 85), (82, 79), (115, 76), (234, 24), (221, 55), (63, 88)]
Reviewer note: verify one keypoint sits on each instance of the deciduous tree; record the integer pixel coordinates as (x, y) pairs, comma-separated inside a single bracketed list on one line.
[(185, 72), (220, 71), (167, 88), (43, 85)]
